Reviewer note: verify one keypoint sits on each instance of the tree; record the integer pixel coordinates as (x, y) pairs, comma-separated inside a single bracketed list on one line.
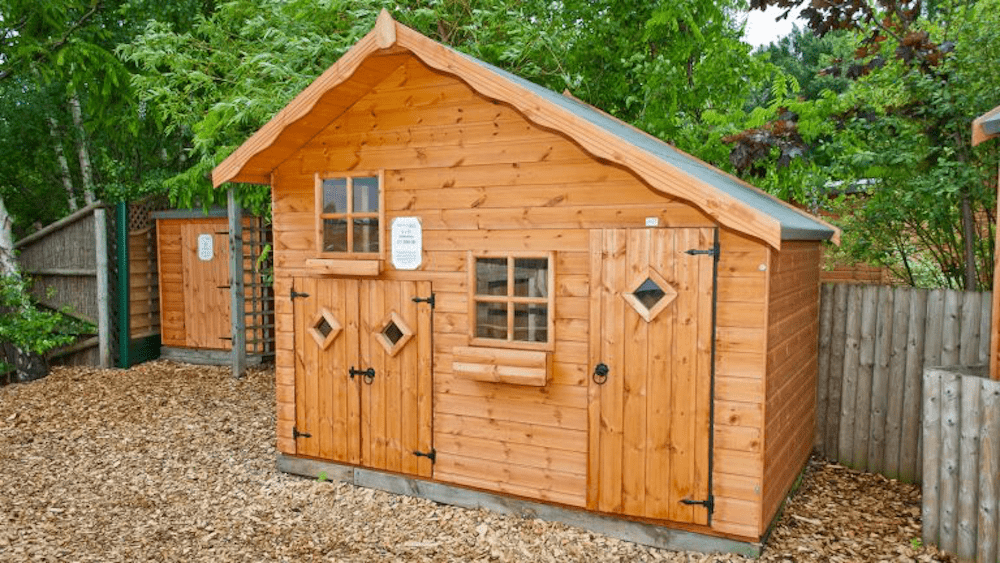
[(919, 75)]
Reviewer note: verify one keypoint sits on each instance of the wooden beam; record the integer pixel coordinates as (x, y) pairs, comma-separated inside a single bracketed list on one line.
[(385, 30), (236, 293)]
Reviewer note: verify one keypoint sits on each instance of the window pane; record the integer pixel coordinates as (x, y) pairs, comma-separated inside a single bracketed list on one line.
[(491, 276), (531, 323), (335, 195), (366, 194), (366, 235), (491, 320), (531, 277), (334, 235)]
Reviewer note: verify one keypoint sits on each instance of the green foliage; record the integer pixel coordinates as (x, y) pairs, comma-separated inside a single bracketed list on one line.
[(30, 328)]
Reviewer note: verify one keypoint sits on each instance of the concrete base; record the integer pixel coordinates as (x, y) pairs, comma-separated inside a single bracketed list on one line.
[(637, 532), (203, 357)]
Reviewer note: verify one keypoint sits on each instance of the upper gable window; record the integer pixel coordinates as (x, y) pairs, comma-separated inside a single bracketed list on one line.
[(350, 215)]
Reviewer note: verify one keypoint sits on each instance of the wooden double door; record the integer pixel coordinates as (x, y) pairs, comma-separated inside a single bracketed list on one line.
[(650, 392), (363, 372)]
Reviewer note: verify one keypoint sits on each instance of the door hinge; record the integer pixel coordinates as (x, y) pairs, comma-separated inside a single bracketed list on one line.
[(431, 455), (428, 300), (714, 251), (708, 503), (295, 294), (296, 434)]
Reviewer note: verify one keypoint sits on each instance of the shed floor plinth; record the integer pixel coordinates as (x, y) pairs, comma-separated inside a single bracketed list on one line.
[(204, 357), (637, 532)]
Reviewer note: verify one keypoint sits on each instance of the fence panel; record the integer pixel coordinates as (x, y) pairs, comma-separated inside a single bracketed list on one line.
[(874, 344), (961, 434)]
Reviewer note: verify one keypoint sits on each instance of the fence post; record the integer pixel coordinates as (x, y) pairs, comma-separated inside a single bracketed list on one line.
[(236, 291), (124, 332), (103, 287), (968, 488), (989, 467)]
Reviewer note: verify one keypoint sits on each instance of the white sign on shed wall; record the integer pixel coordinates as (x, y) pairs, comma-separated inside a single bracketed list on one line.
[(407, 243)]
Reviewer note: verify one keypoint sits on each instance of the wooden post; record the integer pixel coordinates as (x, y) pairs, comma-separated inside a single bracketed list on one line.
[(838, 347), (968, 455), (103, 287), (910, 465), (896, 387), (237, 302), (951, 411), (989, 471), (866, 366), (849, 389), (880, 381), (931, 488), (995, 320), (823, 366)]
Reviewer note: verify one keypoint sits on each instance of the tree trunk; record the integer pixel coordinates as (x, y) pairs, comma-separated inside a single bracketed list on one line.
[(969, 242), (86, 172), (67, 179), (8, 265)]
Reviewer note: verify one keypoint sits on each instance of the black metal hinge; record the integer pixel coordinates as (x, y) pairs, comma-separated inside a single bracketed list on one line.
[(428, 300), (296, 434), (295, 294), (714, 251), (709, 503), (431, 455)]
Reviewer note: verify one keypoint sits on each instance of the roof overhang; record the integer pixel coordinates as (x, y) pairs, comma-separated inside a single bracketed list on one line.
[(353, 74), (986, 126)]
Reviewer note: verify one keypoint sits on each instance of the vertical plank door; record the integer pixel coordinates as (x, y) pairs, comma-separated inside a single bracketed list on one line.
[(327, 399), (394, 334), (650, 417), (206, 285)]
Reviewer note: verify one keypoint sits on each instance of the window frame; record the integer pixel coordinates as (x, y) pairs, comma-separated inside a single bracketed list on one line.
[(350, 215), (510, 299)]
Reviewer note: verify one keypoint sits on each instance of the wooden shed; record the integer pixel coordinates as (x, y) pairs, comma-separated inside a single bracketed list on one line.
[(491, 294), (193, 259)]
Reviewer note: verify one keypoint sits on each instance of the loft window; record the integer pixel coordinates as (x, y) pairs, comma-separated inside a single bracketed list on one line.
[(350, 214), (511, 299)]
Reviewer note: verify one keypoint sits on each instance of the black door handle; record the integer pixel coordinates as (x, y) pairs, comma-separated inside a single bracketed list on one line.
[(367, 374), (601, 373)]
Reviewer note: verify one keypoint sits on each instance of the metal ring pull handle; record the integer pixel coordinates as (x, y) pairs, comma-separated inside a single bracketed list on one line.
[(601, 373)]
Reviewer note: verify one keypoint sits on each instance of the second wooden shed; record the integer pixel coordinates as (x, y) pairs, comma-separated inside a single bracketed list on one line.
[(494, 295)]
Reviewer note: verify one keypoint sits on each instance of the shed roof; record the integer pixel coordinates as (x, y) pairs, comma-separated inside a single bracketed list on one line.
[(986, 126), (727, 199)]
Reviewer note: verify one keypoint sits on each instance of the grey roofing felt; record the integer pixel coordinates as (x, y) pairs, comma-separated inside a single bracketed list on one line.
[(991, 125), (795, 225)]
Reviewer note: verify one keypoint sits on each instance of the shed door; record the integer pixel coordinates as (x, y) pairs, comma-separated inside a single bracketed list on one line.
[(205, 261), (651, 327), (363, 373)]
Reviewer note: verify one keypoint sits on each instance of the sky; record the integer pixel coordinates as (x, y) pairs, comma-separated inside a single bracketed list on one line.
[(762, 29)]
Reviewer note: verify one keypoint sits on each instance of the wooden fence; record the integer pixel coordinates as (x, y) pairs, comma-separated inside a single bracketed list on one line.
[(961, 462), (874, 343)]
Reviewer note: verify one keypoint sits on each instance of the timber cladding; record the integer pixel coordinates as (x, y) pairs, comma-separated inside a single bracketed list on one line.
[(570, 334)]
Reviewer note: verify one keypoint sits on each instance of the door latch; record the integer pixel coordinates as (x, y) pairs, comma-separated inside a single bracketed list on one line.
[(295, 294), (601, 373), (367, 374), (296, 434)]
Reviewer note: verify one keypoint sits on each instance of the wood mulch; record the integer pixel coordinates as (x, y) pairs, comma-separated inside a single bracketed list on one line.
[(171, 462)]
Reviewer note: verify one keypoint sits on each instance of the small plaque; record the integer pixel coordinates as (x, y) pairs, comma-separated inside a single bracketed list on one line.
[(407, 243), (206, 249), (652, 221)]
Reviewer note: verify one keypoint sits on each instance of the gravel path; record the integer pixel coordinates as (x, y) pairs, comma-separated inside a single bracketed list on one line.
[(170, 462)]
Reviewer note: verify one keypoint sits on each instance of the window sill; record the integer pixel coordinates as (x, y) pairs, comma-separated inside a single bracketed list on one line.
[(497, 365), (345, 267)]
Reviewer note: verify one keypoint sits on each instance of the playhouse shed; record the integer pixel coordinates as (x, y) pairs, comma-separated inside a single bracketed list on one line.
[(491, 294)]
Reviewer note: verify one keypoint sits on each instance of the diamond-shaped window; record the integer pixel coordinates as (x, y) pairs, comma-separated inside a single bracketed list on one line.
[(651, 295), (393, 334), (324, 328)]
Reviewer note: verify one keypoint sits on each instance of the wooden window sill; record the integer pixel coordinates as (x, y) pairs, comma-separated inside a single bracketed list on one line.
[(500, 365), (345, 266)]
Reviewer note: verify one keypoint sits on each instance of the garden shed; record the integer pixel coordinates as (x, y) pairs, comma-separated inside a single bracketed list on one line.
[(491, 294), (195, 272)]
